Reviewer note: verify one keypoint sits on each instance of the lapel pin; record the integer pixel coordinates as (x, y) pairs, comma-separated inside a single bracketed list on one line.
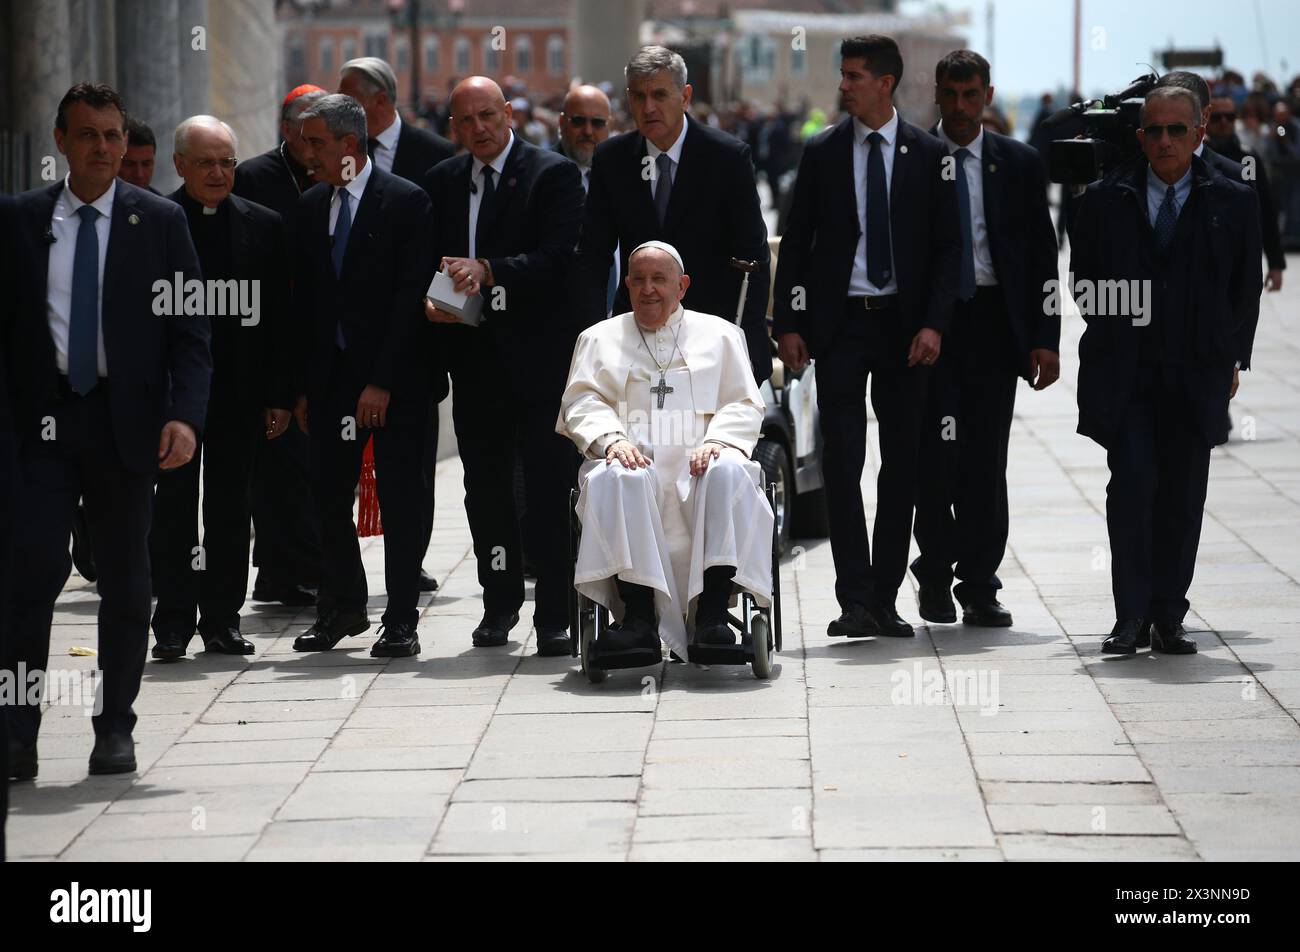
[(511, 183), (134, 219), (993, 167), (903, 149)]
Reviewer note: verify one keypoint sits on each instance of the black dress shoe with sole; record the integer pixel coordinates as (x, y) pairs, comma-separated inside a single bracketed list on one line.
[(936, 604), (889, 623), (292, 596), (1128, 635), (226, 641), (717, 633), (985, 614), (854, 622), (427, 582), (633, 636), (330, 629), (494, 630), (552, 642), (1170, 637), (396, 641), (23, 762), (113, 754), (170, 646)]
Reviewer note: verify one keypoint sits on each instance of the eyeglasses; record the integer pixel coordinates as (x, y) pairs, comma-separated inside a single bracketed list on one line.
[(1223, 117), (583, 120), (207, 165), (1176, 130)]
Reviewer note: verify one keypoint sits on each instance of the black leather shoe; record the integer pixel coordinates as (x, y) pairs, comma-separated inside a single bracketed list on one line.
[(494, 630), (22, 761), (854, 622), (633, 634), (293, 596), (113, 753), (936, 604), (171, 646), (718, 633), (1169, 637), (985, 614), (552, 642), (83, 556), (226, 641), (889, 622), (396, 641), (1128, 635), (427, 582), (330, 629)]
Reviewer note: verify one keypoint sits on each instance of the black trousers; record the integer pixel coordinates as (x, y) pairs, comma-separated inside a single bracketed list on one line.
[(286, 547), (961, 507), (81, 462), (870, 344), (10, 504), (496, 408), (209, 585), (1159, 470), (429, 465)]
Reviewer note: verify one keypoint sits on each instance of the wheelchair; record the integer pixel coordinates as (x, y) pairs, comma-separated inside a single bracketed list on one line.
[(759, 628)]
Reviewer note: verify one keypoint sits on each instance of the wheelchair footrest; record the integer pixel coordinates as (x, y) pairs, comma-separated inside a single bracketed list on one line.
[(721, 654), (632, 658)]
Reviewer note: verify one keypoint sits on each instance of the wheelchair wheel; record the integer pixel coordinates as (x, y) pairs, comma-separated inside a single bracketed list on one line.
[(761, 639), (588, 619)]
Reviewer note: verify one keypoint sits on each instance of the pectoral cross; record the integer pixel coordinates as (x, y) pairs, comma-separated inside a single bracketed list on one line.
[(661, 391)]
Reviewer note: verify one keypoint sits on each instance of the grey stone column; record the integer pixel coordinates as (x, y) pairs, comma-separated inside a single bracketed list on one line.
[(244, 71), (37, 75), (149, 71), (193, 74), (604, 34)]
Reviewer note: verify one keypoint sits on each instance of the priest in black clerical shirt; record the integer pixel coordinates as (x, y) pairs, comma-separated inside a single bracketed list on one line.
[(242, 255)]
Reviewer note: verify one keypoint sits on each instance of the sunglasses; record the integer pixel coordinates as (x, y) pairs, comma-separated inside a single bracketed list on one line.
[(1223, 117), (584, 120), (1176, 130)]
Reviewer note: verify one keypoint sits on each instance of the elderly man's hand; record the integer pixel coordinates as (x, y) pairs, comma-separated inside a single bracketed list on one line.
[(276, 420), (627, 454), (700, 457), (372, 407), (176, 444), (792, 350), (925, 347), (1274, 280), (468, 274), (437, 315), (1044, 367)]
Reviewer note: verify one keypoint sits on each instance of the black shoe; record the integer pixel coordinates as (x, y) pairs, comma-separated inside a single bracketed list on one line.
[(226, 641), (985, 614), (633, 634), (22, 761), (552, 641), (936, 604), (427, 582), (396, 641), (718, 633), (854, 622), (293, 596), (1128, 635), (171, 646), (494, 630), (83, 556), (1169, 637), (889, 622), (113, 753), (331, 628)]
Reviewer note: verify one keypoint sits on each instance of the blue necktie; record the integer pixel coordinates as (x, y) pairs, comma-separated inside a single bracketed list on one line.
[(1166, 219), (966, 282), (879, 262), (83, 323), (342, 227)]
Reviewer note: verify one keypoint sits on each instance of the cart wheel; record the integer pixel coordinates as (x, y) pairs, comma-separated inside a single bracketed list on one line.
[(594, 674), (762, 640)]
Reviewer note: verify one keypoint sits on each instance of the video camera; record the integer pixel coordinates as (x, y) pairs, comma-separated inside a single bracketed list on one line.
[(1096, 136)]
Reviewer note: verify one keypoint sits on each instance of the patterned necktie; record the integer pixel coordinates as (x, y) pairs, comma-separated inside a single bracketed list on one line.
[(1166, 219), (83, 321), (663, 186), (342, 228), (879, 258), (966, 282)]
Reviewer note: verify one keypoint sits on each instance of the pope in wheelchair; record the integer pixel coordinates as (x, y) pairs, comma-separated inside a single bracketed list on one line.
[(661, 402)]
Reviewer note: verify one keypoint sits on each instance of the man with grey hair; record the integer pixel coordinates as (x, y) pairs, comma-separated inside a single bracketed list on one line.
[(679, 181), (1154, 386), (394, 146), (241, 249), (364, 261)]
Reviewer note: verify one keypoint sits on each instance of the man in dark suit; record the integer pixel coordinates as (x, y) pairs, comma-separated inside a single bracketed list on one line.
[(679, 181), (141, 154), (286, 546), (240, 244), (110, 385), (409, 151), (867, 289), (364, 263), (1000, 332), (508, 221), (1155, 381)]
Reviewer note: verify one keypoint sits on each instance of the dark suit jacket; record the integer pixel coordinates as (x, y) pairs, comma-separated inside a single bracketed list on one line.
[(818, 246), (258, 254), (272, 180), (1229, 166), (1204, 294), (528, 240), (713, 216), (159, 368), (419, 150), (379, 297)]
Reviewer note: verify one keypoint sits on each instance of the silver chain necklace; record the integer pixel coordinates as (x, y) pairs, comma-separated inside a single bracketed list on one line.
[(662, 390)]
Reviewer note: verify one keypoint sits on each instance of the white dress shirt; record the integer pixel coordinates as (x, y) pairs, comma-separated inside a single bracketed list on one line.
[(58, 296), (476, 192), (674, 157), (387, 151), (985, 276), (859, 284), (355, 189)]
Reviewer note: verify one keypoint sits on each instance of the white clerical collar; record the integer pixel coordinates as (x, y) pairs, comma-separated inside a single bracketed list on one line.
[(357, 187), (499, 163), (887, 132), (674, 151), (388, 138), (976, 147), (103, 204), (674, 319)]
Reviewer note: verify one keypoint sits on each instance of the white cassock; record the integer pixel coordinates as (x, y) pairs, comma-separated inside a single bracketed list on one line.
[(659, 526)]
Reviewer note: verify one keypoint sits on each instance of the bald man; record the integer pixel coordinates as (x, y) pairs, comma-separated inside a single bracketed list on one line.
[(584, 124), (508, 219)]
